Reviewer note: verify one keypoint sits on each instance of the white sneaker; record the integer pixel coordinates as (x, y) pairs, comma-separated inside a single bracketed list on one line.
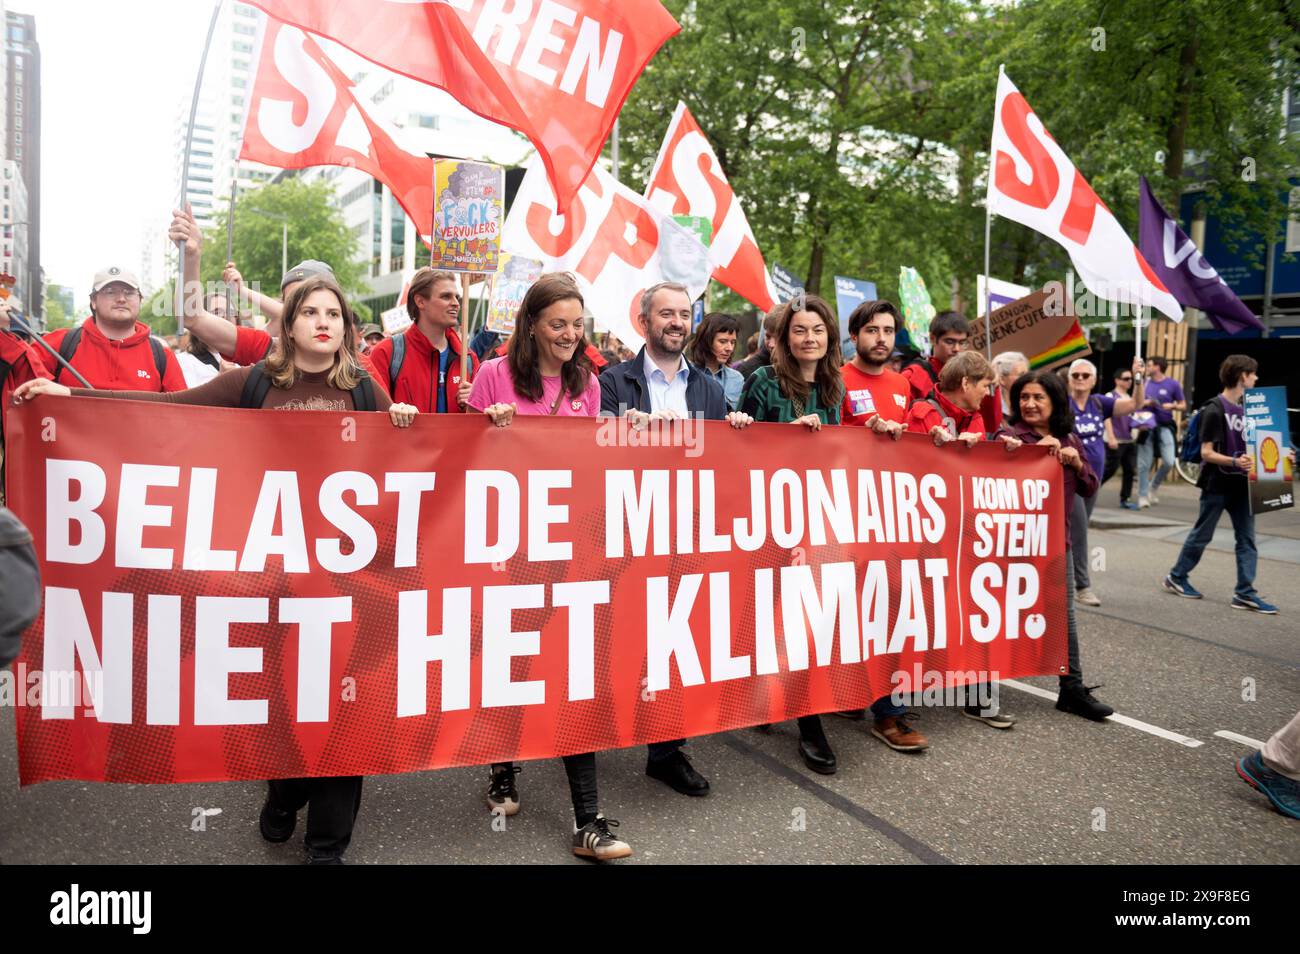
[(1143, 503), (1087, 597), (1154, 499)]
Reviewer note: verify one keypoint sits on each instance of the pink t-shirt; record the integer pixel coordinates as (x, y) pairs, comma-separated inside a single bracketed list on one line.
[(493, 385)]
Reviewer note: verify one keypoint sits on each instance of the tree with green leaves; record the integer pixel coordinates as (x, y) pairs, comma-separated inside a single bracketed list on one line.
[(856, 134), (316, 231)]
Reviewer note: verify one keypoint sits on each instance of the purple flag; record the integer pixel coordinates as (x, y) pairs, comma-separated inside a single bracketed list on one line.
[(1185, 272)]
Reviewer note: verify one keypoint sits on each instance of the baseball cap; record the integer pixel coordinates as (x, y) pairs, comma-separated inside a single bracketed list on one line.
[(112, 274), (372, 329), (310, 268)]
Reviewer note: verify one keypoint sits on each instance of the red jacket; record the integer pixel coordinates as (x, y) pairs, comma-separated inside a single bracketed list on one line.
[(416, 381), (922, 384), (25, 362), (923, 415), (254, 344), (125, 365)]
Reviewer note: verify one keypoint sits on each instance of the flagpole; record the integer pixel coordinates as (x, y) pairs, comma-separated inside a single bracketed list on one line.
[(185, 168), (232, 302), (988, 294)]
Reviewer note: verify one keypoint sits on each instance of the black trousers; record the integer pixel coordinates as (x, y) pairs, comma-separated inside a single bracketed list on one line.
[(581, 771), (1125, 456), (332, 805)]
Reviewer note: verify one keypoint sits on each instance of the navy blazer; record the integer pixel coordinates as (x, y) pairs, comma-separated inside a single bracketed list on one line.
[(624, 388)]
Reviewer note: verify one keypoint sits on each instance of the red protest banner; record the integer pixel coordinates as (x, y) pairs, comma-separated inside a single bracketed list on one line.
[(253, 595)]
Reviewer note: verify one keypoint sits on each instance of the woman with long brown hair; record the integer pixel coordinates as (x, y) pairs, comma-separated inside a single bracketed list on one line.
[(313, 366), (545, 372), (711, 348), (802, 385)]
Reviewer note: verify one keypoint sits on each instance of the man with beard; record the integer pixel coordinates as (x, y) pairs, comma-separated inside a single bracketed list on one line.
[(660, 384), (873, 395)]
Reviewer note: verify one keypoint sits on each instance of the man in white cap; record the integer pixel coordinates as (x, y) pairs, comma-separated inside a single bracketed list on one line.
[(113, 349)]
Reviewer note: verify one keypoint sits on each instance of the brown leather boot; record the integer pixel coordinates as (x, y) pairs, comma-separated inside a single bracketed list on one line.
[(898, 735)]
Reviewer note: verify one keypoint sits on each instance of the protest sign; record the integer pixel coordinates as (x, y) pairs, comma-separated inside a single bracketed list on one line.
[(268, 595), (785, 282), (1268, 436), (999, 292), (1042, 326), (469, 207), (395, 320), (511, 283), (849, 293), (917, 309)]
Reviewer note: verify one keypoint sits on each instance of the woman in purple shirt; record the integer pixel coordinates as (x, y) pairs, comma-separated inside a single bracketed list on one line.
[(1091, 411), (1040, 414), (545, 372)]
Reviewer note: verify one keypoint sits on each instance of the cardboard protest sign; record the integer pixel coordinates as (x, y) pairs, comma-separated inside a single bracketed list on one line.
[(1042, 326), (469, 210)]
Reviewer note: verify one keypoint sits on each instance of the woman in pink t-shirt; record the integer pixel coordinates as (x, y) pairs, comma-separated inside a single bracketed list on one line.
[(545, 372)]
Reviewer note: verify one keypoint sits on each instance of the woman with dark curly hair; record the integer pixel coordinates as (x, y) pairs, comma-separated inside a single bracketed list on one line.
[(1041, 414)]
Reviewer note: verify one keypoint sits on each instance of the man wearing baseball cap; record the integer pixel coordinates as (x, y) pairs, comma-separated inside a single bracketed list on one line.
[(113, 349)]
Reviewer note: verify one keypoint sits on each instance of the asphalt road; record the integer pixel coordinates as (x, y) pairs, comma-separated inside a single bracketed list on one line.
[(1055, 789)]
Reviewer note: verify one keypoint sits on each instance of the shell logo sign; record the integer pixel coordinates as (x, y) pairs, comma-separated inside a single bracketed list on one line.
[(1269, 453)]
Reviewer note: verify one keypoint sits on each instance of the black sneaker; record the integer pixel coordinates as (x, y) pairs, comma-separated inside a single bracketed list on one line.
[(324, 859), (1078, 699), (276, 824), (502, 796), (594, 840)]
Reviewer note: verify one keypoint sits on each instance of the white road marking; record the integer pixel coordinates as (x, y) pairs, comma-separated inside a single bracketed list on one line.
[(1121, 719), (1243, 739)]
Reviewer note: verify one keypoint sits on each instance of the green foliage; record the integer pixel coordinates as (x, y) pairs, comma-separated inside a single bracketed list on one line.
[(316, 231), (856, 134), (56, 314)]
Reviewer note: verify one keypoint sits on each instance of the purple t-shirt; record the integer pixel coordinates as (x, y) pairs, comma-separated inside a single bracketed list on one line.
[(493, 385), (1164, 391), (1090, 428), (1121, 424)]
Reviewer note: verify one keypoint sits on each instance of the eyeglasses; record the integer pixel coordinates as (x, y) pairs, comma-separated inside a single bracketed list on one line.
[(119, 291), (1126, 379), (1080, 375)]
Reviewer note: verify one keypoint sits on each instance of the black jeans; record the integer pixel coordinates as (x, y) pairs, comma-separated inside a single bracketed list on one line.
[(581, 770), (332, 805), (1125, 456)]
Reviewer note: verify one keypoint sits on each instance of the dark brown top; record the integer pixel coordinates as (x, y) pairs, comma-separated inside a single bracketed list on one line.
[(311, 393)]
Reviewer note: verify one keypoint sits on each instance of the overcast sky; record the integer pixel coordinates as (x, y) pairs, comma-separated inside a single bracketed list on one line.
[(112, 72)]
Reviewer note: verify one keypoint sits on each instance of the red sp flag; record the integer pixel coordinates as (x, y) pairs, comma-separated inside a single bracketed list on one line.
[(302, 113), (557, 72), (1032, 181), (257, 595), (614, 241), (687, 179)]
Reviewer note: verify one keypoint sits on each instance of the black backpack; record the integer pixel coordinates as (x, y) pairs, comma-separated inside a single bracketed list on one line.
[(68, 347), (258, 384), (395, 363), (924, 362)]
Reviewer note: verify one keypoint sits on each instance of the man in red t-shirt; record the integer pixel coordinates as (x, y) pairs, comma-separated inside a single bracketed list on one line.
[(112, 349), (429, 350), (949, 335), (873, 395)]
